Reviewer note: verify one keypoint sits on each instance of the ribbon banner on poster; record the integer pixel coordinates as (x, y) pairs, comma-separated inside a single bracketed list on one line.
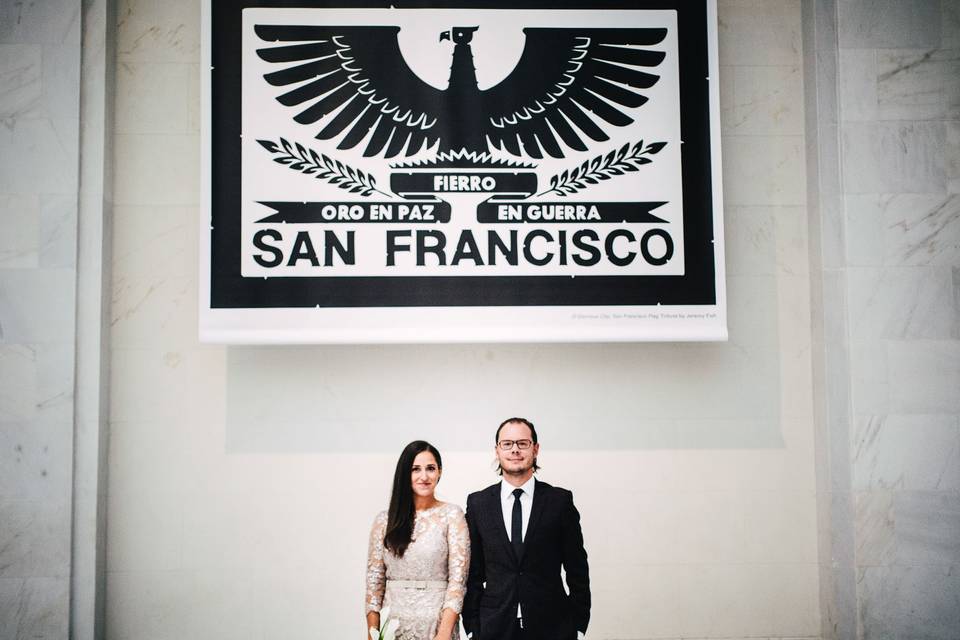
[(548, 173)]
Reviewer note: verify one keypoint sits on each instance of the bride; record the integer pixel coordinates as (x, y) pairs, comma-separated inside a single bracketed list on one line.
[(419, 553)]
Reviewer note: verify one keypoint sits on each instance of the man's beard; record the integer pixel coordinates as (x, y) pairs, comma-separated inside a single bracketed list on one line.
[(517, 471)]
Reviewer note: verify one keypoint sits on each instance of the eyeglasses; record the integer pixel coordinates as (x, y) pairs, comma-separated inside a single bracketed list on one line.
[(523, 445)]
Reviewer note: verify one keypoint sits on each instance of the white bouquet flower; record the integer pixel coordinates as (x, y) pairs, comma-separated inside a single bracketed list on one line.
[(388, 627)]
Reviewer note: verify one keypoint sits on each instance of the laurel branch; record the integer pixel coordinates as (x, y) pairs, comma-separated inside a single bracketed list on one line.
[(320, 166), (616, 163)]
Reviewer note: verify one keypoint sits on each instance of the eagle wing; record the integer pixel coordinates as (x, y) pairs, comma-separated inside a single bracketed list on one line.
[(565, 80), (360, 69)]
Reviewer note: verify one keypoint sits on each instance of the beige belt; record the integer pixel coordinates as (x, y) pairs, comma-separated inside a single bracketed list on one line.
[(418, 584)]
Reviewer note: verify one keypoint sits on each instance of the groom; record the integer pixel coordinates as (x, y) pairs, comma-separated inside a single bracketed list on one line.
[(521, 532)]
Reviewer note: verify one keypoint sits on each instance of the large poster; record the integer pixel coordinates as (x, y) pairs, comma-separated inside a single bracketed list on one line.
[(513, 172)]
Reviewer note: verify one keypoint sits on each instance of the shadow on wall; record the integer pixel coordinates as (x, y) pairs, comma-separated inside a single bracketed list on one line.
[(581, 396)]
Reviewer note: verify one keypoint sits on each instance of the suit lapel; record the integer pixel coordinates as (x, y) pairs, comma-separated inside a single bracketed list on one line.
[(536, 510), (495, 513)]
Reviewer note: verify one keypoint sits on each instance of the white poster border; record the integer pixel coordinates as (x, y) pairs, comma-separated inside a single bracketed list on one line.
[(492, 324)]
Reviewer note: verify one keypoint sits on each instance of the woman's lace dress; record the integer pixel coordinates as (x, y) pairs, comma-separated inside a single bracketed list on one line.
[(431, 575)]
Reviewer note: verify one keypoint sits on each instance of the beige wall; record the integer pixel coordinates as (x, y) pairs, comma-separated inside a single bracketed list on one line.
[(239, 504)]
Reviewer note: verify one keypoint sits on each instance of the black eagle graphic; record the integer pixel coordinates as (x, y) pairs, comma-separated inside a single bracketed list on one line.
[(568, 84)]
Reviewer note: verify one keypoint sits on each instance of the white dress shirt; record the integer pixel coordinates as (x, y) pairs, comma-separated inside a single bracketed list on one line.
[(526, 504)]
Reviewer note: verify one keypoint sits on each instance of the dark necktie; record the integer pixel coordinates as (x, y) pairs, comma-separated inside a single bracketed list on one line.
[(516, 524)]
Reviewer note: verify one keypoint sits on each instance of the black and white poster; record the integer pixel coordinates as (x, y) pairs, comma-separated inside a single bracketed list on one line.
[(434, 172)]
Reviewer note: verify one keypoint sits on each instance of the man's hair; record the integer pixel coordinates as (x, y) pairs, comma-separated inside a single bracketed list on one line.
[(533, 436)]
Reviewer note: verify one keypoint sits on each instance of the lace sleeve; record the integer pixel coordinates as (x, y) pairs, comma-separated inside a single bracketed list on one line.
[(458, 560), (376, 570)]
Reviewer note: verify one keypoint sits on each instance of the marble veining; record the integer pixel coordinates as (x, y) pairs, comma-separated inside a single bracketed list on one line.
[(889, 23), (902, 302), (903, 229), (889, 157), (40, 21), (919, 603), (19, 232), (907, 452), (926, 236), (39, 178), (34, 607), (158, 32), (20, 79), (918, 84)]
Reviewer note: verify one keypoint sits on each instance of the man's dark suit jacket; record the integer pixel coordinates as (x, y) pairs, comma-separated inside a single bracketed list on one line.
[(498, 580)]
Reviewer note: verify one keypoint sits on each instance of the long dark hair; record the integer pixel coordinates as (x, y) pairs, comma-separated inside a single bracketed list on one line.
[(401, 514)]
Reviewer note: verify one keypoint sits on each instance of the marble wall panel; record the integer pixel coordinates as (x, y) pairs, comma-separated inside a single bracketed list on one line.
[(227, 530), (952, 144), (908, 602), (50, 21), (763, 170), (284, 603), (830, 221), (34, 607), (793, 247), (154, 299), (165, 605), (39, 157), (927, 526), (148, 604), (19, 386), (19, 231), (37, 465), (149, 526), (889, 24), (58, 231), (880, 157), (858, 84), (193, 99), (903, 229), (168, 32), (34, 538), (61, 82), (950, 32), (956, 288), (902, 303), (763, 100), (147, 384), (152, 455), (748, 27), (924, 376), (771, 534), (227, 596), (917, 84), (27, 300), (21, 67), (39, 137), (907, 452), (157, 170), (153, 97), (159, 312), (55, 363), (750, 242), (710, 602), (843, 547), (870, 378)]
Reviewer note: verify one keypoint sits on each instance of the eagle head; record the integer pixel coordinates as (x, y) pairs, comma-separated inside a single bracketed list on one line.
[(459, 35)]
